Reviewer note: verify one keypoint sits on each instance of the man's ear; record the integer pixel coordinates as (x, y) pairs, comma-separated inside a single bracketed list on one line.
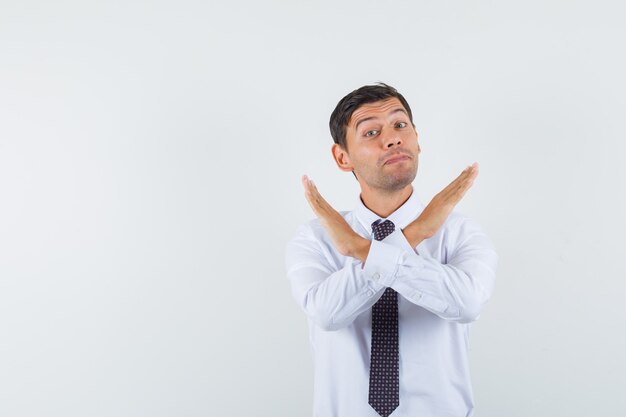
[(342, 159)]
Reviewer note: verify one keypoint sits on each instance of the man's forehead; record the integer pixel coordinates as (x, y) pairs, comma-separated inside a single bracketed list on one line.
[(375, 108)]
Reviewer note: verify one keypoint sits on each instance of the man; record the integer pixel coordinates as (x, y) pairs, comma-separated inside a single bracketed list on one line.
[(391, 287)]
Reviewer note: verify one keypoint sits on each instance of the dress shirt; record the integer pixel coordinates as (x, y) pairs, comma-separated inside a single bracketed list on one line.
[(443, 284)]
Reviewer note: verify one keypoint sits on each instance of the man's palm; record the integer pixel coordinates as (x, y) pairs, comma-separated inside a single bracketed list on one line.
[(437, 211)]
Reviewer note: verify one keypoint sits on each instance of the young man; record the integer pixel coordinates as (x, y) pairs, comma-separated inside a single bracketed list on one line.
[(391, 287)]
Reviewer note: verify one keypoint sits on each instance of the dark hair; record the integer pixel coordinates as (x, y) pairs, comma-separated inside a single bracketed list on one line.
[(340, 117)]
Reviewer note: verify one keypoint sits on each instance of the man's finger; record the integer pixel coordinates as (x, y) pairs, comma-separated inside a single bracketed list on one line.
[(315, 199), (467, 172), (460, 184), (309, 187), (308, 192)]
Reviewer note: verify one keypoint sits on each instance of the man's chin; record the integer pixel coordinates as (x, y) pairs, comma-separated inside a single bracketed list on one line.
[(398, 182)]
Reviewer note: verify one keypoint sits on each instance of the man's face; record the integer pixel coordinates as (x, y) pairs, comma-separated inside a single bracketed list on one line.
[(382, 146)]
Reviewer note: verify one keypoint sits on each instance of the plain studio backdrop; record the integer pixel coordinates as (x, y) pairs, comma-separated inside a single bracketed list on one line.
[(150, 164)]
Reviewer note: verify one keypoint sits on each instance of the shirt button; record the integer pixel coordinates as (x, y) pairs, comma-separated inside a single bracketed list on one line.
[(376, 276), (370, 293)]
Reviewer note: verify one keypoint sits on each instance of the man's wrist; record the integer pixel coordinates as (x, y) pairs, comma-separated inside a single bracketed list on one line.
[(360, 248), (413, 234)]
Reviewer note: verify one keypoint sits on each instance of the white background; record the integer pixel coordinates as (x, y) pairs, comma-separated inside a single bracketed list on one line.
[(150, 163)]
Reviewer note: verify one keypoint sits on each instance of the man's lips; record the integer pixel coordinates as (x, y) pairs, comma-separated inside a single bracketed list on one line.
[(395, 159)]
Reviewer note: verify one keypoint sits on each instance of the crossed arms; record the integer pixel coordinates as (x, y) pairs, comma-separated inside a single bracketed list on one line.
[(333, 294)]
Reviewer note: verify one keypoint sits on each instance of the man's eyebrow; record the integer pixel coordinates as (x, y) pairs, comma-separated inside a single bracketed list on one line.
[(399, 109), (361, 121)]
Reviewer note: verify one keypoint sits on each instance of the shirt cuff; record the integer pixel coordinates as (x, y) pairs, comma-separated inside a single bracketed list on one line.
[(398, 239), (382, 263)]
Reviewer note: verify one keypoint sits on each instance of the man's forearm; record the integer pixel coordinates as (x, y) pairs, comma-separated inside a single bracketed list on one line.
[(361, 248)]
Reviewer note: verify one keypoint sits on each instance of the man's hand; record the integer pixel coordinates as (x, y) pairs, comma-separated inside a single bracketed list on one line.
[(346, 241), (440, 207)]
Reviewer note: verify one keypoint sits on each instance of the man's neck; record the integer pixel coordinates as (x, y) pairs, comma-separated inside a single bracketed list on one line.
[(384, 203)]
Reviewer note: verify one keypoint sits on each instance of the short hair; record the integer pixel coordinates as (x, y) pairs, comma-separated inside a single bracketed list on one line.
[(340, 117)]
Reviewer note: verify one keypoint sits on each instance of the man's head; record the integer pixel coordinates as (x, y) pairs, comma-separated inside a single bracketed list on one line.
[(372, 127), (340, 117)]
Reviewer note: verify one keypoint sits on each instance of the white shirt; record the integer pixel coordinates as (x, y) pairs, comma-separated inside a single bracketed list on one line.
[(443, 285)]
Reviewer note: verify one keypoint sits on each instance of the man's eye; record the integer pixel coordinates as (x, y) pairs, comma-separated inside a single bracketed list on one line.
[(401, 124), (371, 133)]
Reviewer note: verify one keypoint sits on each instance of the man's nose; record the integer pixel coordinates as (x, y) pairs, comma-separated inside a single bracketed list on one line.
[(392, 139)]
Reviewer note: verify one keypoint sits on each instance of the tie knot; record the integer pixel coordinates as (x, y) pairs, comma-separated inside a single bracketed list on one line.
[(382, 229)]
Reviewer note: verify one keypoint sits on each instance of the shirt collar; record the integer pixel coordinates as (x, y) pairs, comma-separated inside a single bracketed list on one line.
[(404, 215)]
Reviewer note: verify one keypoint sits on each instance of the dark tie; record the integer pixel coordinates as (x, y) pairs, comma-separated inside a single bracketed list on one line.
[(384, 394)]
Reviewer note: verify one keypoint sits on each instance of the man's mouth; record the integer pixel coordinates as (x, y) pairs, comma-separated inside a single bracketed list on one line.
[(396, 159)]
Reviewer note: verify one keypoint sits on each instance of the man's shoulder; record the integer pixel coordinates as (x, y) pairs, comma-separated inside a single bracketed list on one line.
[(458, 226), (311, 240), (455, 218)]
